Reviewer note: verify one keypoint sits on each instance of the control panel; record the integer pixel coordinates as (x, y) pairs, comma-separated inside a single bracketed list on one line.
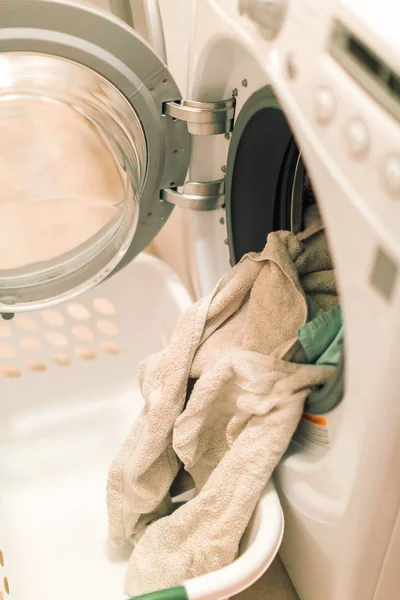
[(346, 87)]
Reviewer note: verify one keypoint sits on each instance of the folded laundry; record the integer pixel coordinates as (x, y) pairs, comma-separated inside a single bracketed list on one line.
[(231, 428)]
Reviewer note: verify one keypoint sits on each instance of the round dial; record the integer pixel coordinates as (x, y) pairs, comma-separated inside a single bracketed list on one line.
[(267, 14)]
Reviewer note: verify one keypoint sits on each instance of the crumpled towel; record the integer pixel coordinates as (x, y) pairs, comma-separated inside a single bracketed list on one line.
[(255, 311), (315, 266), (238, 422), (142, 473)]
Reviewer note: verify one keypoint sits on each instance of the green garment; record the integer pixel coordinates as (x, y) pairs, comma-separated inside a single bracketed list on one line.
[(176, 593), (323, 337)]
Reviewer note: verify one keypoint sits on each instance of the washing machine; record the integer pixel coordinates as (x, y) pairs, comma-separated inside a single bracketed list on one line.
[(284, 99)]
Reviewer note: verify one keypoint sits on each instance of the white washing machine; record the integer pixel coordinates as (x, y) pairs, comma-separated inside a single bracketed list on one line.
[(280, 94)]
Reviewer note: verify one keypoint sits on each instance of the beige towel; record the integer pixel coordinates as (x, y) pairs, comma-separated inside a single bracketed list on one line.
[(143, 471), (237, 424), (262, 296), (315, 266), (268, 312)]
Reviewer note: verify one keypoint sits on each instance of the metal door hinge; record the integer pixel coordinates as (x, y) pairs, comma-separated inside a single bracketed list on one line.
[(209, 195), (203, 118)]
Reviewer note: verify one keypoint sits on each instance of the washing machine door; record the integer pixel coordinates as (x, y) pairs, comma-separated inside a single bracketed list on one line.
[(84, 148)]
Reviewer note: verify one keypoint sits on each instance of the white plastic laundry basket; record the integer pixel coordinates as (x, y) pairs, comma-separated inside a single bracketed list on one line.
[(68, 397)]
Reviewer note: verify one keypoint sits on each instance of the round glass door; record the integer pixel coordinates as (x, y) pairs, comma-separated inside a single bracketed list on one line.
[(73, 161)]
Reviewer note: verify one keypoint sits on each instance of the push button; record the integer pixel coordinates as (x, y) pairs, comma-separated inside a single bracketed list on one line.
[(391, 173), (357, 138), (325, 106)]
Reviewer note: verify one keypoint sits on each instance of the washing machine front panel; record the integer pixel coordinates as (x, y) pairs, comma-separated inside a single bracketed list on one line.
[(340, 500), (86, 148), (336, 93)]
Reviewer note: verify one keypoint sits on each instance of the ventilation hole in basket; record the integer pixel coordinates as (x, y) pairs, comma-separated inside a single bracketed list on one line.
[(52, 317), (86, 353), (56, 338), (1, 559), (62, 360), (30, 344), (78, 311), (7, 351), (6, 586), (9, 371), (109, 347), (36, 366), (26, 323), (5, 331), (82, 333), (107, 327), (104, 306)]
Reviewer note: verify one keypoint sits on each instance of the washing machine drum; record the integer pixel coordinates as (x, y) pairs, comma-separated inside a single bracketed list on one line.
[(84, 149)]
